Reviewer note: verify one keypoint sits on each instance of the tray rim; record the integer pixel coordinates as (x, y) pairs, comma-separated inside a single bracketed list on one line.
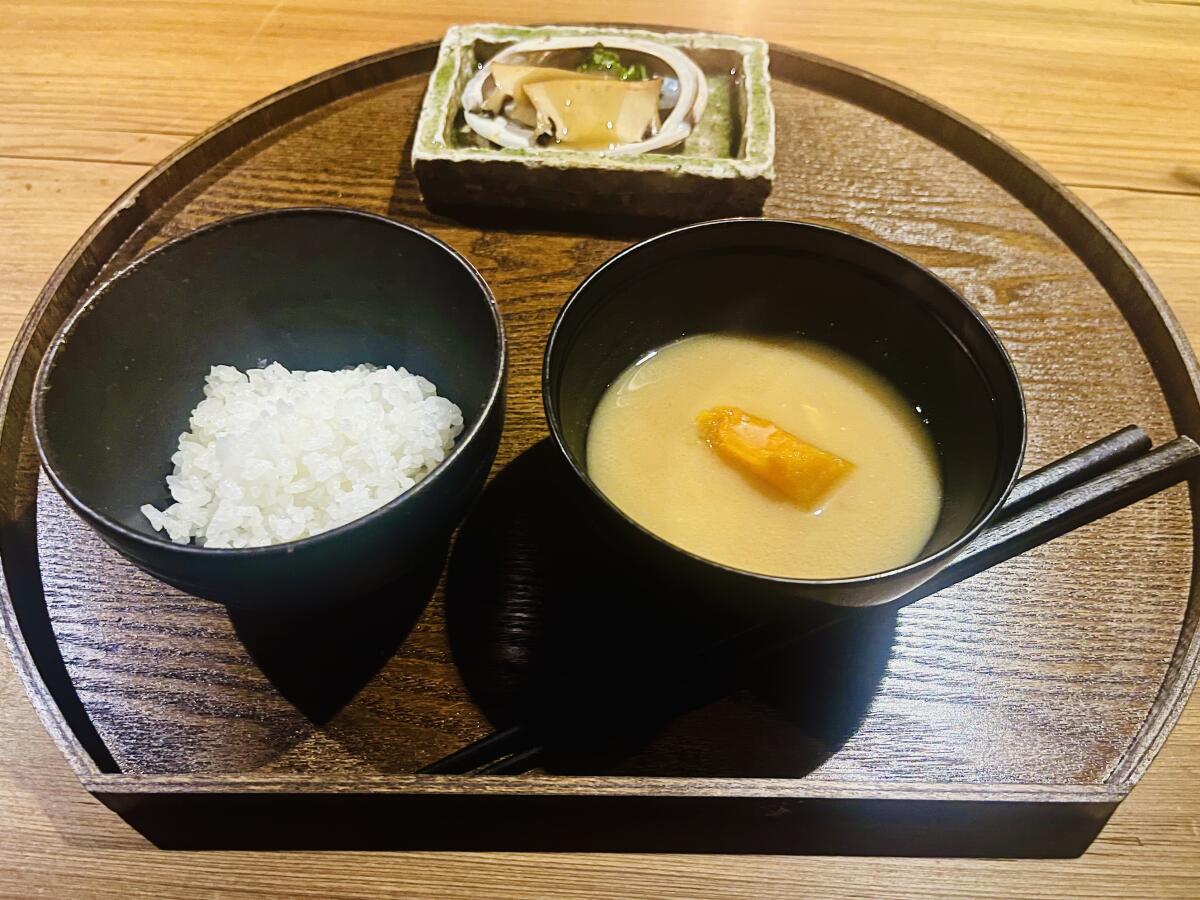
[(1054, 204), (600, 785)]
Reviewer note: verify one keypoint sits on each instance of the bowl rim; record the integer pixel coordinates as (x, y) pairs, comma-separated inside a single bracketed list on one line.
[(922, 561), (161, 544)]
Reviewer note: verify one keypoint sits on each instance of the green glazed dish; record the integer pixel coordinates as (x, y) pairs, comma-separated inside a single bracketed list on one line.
[(725, 166)]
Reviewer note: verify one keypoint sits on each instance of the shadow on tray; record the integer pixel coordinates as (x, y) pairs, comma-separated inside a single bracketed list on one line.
[(550, 631), (612, 226), (319, 660), (407, 204)]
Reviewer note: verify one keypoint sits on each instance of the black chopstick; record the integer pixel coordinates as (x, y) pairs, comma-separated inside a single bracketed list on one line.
[(487, 749), (1073, 508), (1066, 494), (1075, 468)]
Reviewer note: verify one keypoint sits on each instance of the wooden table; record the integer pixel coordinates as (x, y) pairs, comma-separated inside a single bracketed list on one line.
[(1101, 93)]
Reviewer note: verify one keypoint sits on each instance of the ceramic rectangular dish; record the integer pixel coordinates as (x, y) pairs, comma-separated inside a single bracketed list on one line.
[(724, 168)]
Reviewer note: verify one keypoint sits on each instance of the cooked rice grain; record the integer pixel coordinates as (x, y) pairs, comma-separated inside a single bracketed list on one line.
[(274, 456)]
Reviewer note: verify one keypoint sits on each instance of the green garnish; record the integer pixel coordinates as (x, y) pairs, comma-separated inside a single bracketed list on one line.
[(608, 62)]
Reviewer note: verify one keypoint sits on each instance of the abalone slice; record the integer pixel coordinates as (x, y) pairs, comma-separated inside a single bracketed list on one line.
[(596, 114), (494, 108)]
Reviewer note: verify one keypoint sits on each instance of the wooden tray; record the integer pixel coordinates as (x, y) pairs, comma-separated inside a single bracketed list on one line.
[(1008, 715)]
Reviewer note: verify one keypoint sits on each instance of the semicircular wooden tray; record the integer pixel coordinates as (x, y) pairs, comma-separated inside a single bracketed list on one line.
[(1007, 715)]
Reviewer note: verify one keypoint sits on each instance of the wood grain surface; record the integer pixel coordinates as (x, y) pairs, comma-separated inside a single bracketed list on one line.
[(1136, 55), (969, 687)]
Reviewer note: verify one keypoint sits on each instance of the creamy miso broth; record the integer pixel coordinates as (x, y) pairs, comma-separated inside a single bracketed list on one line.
[(663, 445)]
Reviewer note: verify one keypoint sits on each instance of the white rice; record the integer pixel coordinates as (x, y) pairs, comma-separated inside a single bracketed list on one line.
[(274, 456)]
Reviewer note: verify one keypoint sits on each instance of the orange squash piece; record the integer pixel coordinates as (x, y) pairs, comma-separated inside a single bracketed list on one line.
[(803, 473)]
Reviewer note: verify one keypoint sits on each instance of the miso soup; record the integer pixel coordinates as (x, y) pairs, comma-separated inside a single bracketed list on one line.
[(782, 457)]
